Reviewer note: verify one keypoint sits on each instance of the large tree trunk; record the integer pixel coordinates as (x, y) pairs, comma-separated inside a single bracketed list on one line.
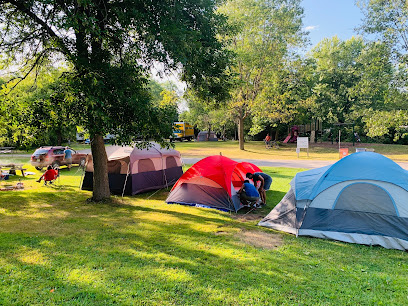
[(100, 162), (241, 132), (59, 138)]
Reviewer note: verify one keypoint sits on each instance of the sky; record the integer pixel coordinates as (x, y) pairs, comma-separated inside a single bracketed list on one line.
[(327, 18)]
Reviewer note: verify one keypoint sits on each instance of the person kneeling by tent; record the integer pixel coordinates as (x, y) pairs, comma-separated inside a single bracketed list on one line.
[(265, 180), (49, 176), (248, 194)]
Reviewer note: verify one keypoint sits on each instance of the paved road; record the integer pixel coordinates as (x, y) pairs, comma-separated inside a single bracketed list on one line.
[(289, 163)]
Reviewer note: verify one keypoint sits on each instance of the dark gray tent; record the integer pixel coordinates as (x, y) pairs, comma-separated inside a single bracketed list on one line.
[(363, 198), (203, 136)]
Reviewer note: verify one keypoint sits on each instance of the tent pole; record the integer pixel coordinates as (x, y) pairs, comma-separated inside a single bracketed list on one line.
[(354, 137), (124, 185), (83, 172), (339, 137), (164, 171)]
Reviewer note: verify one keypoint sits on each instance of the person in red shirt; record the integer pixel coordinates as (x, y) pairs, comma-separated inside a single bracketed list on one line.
[(268, 141), (48, 176)]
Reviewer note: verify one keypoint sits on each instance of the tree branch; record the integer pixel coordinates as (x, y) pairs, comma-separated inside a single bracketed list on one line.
[(21, 6), (34, 66)]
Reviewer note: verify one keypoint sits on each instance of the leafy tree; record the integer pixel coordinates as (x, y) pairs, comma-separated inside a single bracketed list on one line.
[(387, 21), (265, 31), (111, 45), (164, 96), (289, 97), (380, 123), (49, 113), (335, 66), (353, 76), (38, 110)]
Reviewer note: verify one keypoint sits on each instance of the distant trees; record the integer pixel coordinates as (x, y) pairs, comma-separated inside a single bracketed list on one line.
[(351, 77), (387, 22), (337, 81), (362, 79), (41, 109), (207, 117), (287, 98)]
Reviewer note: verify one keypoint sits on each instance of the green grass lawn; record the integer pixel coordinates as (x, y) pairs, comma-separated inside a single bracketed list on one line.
[(56, 248)]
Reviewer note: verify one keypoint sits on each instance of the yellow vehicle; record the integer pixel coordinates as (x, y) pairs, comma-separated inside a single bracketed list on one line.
[(183, 130)]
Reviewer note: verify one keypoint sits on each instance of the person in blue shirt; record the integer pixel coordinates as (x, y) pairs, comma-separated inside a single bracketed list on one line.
[(68, 157), (265, 183), (248, 193)]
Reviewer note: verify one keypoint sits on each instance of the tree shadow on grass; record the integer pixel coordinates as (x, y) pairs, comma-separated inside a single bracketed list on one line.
[(162, 259), (152, 261)]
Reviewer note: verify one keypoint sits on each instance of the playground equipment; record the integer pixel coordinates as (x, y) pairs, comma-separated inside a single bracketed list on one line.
[(339, 126), (312, 129), (292, 137)]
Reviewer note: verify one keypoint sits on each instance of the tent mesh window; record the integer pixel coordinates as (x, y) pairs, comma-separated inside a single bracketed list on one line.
[(171, 162), (146, 165), (366, 197)]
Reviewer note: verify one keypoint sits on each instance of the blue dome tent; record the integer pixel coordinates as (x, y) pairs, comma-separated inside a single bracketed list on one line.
[(362, 198)]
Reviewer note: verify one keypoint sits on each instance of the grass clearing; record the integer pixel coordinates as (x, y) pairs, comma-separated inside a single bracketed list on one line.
[(55, 248)]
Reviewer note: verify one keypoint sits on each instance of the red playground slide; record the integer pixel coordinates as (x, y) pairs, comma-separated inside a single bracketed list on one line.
[(287, 139)]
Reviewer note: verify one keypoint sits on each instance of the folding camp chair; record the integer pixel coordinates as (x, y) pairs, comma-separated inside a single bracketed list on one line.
[(50, 180)]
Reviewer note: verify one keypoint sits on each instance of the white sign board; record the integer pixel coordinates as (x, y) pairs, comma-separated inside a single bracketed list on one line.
[(303, 142)]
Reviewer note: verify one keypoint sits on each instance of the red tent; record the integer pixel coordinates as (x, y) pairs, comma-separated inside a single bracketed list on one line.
[(212, 182)]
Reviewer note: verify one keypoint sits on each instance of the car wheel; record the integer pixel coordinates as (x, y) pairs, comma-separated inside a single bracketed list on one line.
[(82, 162), (55, 164), (39, 168)]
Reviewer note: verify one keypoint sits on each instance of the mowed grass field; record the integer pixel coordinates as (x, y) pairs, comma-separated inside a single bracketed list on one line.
[(57, 248), (257, 150)]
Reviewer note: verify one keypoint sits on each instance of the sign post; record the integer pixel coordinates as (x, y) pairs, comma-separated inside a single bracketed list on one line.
[(302, 143)]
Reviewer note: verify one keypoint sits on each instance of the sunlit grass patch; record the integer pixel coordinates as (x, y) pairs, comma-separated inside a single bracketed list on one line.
[(32, 256)]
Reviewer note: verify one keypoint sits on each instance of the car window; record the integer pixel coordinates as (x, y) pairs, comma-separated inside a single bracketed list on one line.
[(40, 151), (58, 151)]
